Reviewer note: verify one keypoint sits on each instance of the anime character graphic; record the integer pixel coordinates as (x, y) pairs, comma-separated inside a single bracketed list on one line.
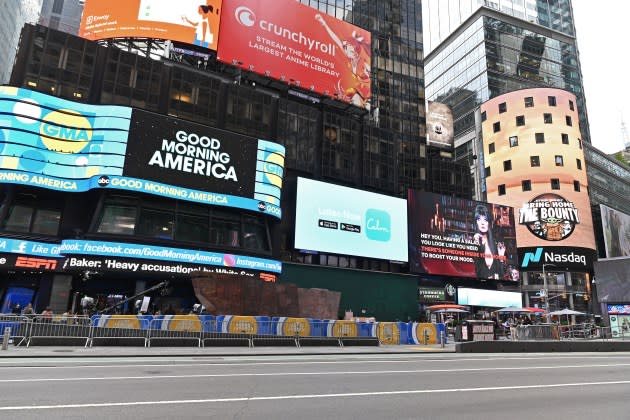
[(204, 36), (354, 84), (490, 262)]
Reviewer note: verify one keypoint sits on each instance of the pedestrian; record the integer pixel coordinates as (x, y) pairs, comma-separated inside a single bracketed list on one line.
[(17, 309), (47, 315)]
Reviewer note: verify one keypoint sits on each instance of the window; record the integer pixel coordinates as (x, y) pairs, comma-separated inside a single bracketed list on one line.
[(520, 120), (540, 138), (569, 121), (486, 171), (559, 161), (565, 138), (501, 189), (576, 186), (579, 163), (580, 144), (119, 216), (57, 7), (502, 107), (483, 116), (513, 141), (28, 218), (534, 161), (491, 148), (571, 107), (496, 127), (529, 101), (548, 118), (225, 228), (507, 165), (157, 221), (555, 183), (526, 184), (551, 100)]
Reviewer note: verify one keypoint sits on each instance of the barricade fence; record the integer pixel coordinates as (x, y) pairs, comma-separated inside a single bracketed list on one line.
[(208, 330)]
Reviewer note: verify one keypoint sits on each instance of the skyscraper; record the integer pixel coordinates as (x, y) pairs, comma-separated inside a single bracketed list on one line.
[(482, 49), (14, 14), (64, 15)]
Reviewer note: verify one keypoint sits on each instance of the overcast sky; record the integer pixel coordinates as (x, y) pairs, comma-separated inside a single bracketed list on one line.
[(603, 43)]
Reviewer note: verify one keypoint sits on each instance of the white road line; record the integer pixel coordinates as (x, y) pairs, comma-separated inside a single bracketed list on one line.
[(297, 362), (310, 396), (373, 372)]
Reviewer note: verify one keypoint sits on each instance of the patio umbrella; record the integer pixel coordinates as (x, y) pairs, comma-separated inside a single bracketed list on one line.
[(536, 310), (566, 312), (445, 306), (514, 310), (454, 310)]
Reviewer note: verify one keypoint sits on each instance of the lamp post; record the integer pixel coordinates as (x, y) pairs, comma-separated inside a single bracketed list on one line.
[(546, 290)]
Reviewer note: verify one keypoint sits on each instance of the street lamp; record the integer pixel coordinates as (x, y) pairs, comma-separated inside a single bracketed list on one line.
[(546, 290)]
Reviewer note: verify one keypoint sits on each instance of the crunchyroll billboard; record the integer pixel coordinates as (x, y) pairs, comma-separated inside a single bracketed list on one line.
[(298, 45)]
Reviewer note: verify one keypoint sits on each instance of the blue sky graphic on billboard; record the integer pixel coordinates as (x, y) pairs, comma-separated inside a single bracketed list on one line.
[(57, 144)]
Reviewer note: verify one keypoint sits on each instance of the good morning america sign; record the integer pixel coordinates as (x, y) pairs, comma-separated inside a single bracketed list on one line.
[(57, 144)]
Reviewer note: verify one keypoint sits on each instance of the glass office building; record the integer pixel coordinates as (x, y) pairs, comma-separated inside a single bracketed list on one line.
[(483, 49)]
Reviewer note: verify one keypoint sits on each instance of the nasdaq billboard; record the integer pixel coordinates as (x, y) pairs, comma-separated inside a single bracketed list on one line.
[(57, 144)]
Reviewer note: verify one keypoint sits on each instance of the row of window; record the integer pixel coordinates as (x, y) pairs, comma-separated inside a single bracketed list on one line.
[(520, 121), (529, 103), (534, 162), (526, 185), (539, 137)]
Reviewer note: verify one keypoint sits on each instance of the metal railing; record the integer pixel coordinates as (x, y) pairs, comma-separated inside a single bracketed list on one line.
[(206, 330)]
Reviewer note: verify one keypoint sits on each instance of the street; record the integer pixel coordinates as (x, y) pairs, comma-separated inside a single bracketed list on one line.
[(382, 386)]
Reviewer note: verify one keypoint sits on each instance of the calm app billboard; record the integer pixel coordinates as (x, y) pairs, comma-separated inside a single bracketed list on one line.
[(342, 220)]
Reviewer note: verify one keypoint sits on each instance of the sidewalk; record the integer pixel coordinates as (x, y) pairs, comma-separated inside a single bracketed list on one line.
[(105, 351)]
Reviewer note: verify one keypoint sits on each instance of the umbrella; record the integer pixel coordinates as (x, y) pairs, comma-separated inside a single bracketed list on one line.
[(454, 310), (566, 312), (445, 306), (536, 310), (515, 310)]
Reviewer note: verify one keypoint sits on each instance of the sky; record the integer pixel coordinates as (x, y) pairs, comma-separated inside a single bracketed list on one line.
[(602, 36)]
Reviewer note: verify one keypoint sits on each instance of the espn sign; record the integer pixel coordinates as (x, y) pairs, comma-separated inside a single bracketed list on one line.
[(37, 263)]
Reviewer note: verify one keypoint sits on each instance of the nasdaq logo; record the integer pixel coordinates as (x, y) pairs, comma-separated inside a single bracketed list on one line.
[(532, 257)]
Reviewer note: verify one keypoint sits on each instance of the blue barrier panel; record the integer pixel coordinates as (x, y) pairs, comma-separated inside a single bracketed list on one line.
[(177, 323), (391, 332), (432, 332), (136, 322), (341, 328), (364, 329), (239, 324), (291, 327)]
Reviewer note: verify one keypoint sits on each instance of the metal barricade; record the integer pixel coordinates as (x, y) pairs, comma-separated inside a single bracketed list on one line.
[(119, 330), (216, 332), (18, 325), (58, 330), (175, 329)]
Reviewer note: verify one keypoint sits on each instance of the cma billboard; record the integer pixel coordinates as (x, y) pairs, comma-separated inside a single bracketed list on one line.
[(534, 162)]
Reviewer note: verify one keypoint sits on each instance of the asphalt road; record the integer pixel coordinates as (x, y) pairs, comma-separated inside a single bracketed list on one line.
[(387, 386)]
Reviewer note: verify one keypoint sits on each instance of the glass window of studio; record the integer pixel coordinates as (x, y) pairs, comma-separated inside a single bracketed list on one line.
[(491, 148), (513, 141), (507, 165), (565, 138), (571, 106), (551, 100), (555, 183), (520, 120), (496, 127), (534, 161), (157, 220), (501, 189), (192, 223), (225, 228), (559, 160), (576, 186), (540, 137), (547, 118), (529, 101), (26, 217), (526, 185), (569, 121), (578, 163), (502, 107), (118, 216)]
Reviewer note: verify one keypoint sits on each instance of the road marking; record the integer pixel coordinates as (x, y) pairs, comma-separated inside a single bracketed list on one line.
[(305, 361), (373, 372), (310, 396)]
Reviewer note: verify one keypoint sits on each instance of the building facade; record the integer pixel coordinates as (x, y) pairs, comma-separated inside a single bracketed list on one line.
[(63, 15), (485, 49), (382, 150), (16, 14)]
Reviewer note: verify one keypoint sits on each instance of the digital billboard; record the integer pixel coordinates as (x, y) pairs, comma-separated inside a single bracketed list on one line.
[(440, 130), (534, 162), (57, 144), (190, 21), (341, 220), (616, 227), (457, 237), (299, 45), (492, 298)]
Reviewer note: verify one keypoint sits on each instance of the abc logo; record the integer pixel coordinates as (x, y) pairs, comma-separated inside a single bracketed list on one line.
[(103, 181), (245, 16), (262, 206)]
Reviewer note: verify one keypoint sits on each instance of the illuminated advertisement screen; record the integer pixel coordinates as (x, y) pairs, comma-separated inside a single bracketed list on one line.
[(299, 45), (341, 220), (457, 237), (190, 21), (440, 130), (492, 298), (616, 227), (57, 144), (534, 162)]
